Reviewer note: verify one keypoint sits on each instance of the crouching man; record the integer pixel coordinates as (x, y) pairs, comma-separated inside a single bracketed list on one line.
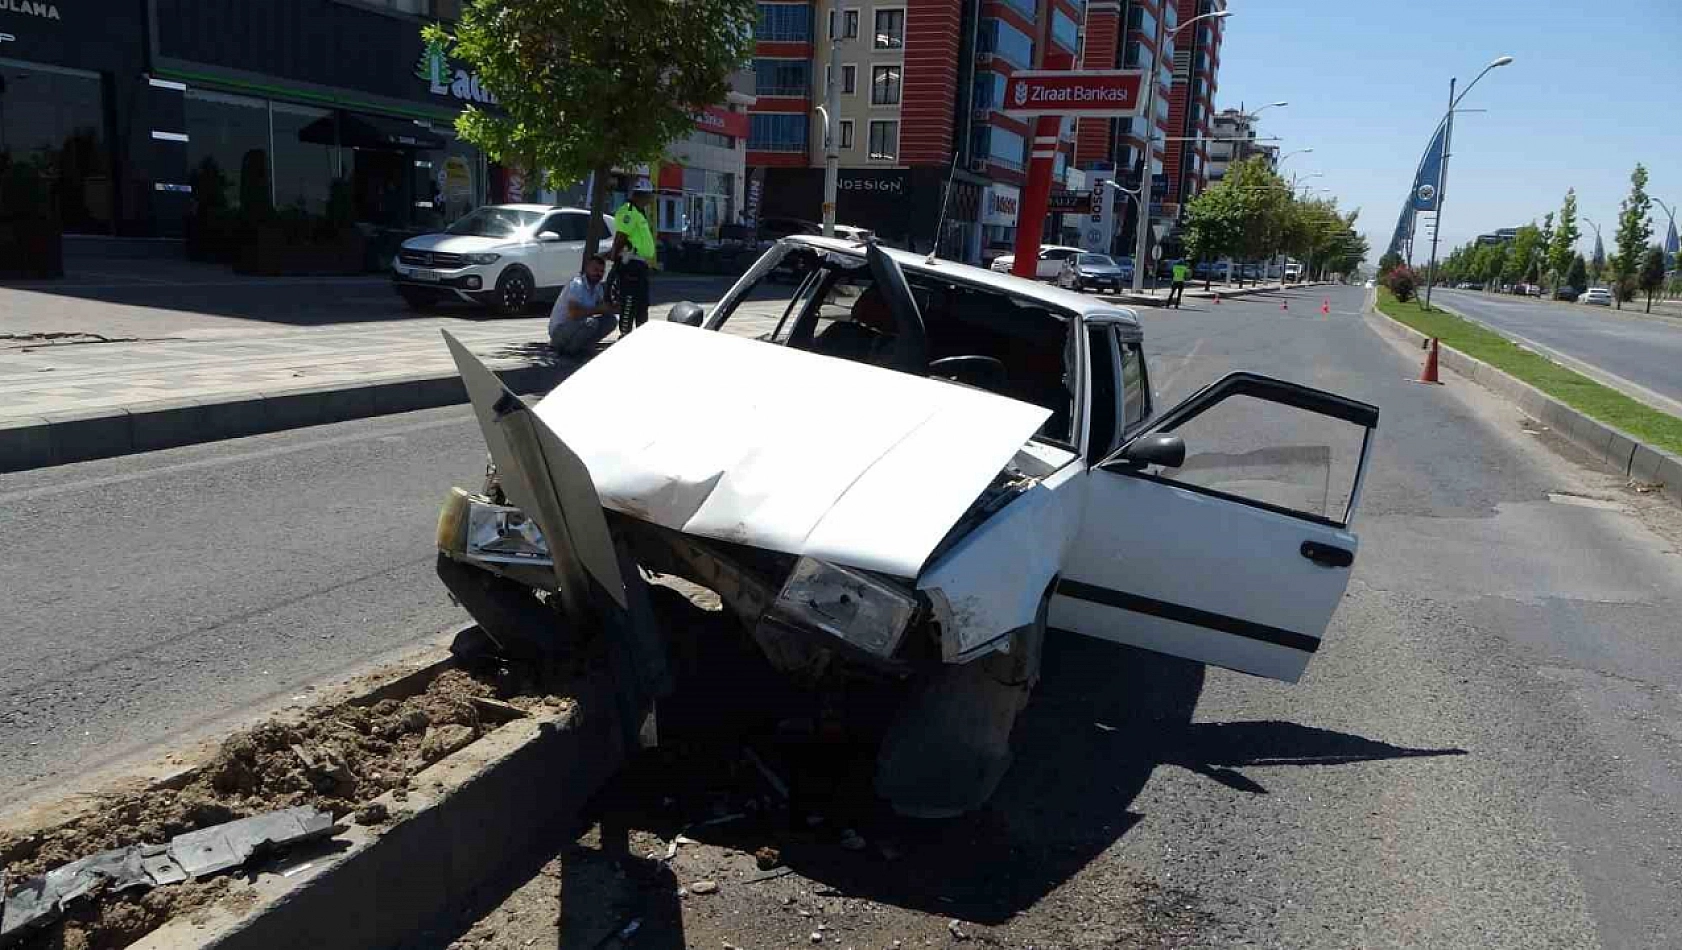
[(582, 316)]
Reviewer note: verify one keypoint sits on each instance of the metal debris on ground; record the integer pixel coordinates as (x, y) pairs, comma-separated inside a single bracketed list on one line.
[(41, 900), (956, 928)]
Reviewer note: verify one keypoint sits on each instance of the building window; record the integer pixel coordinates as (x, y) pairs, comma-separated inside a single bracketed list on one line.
[(784, 22), (849, 79), (777, 132), (1024, 7), (890, 29), (1139, 20), (999, 146), (884, 141), (989, 90), (884, 85), (1007, 42), (1064, 30), (703, 137), (782, 77), (849, 24), (846, 133), (53, 120)]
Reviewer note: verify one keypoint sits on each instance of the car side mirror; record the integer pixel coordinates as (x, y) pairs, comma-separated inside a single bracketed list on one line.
[(1168, 451), (548, 237), (686, 313)]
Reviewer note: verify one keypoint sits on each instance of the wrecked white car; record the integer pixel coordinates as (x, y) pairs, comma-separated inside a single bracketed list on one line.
[(912, 470)]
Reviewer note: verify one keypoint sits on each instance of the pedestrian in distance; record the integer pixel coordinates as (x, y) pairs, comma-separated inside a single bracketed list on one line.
[(1177, 289), (633, 255), (583, 316)]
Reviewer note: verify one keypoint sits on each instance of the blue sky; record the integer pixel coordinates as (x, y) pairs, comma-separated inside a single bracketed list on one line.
[(1594, 88)]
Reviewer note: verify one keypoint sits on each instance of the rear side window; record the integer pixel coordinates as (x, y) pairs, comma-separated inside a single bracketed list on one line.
[(570, 227), (1135, 393), (1105, 429)]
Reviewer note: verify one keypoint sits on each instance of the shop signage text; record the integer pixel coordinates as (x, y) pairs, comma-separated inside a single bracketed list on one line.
[(434, 67), (868, 183), (1067, 201), (46, 11), (1073, 92), (999, 208), (722, 122)]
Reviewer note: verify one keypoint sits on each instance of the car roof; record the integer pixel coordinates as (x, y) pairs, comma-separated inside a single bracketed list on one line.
[(1090, 308)]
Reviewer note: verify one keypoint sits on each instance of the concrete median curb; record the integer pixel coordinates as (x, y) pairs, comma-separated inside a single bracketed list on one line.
[(1619, 450), (64, 438)]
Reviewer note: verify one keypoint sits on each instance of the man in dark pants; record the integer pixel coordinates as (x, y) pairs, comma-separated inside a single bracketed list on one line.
[(1177, 289), (633, 255), (583, 316)]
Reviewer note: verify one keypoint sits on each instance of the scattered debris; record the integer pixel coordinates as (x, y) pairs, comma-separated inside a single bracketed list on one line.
[(817, 937), (703, 887), (956, 928), (195, 854), (767, 858), (441, 741), (372, 813), (1645, 488)]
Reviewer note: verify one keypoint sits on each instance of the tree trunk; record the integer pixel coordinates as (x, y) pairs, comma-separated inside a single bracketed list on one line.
[(598, 206)]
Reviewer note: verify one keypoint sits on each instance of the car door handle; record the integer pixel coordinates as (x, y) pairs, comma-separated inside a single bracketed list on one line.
[(1327, 555)]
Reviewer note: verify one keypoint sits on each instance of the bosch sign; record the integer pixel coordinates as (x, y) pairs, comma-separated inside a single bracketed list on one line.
[(1074, 92)]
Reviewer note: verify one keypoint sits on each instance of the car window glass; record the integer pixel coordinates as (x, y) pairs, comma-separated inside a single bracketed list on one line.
[(1260, 450), (1102, 357), (569, 225), (494, 222), (1136, 398)]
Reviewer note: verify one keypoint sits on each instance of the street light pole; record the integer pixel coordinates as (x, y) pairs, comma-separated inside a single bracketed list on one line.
[(831, 112), (1142, 239), (1442, 168)]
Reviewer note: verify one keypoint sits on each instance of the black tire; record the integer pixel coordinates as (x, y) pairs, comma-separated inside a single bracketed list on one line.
[(416, 299), (514, 292)]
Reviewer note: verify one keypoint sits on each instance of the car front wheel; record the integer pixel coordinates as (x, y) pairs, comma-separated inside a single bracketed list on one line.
[(513, 292)]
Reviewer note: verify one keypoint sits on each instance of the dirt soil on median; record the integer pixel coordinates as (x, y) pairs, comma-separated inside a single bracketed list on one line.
[(334, 758)]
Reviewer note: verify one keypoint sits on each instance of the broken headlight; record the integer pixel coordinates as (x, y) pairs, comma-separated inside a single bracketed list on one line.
[(868, 613), (471, 527)]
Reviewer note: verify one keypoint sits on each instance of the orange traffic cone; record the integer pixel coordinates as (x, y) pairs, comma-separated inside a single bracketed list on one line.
[(1284, 305), (1326, 305), (1217, 298), (1429, 373)]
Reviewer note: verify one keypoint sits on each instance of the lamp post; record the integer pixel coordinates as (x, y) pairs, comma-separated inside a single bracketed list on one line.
[(831, 112), (1281, 161), (1142, 241), (1442, 167)]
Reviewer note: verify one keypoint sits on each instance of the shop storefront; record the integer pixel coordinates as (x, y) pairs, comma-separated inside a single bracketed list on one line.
[(999, 209), (706, 176), (902, 205), (70, 77)]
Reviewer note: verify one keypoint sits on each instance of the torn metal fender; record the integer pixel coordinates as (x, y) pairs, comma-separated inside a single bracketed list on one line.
[(992, 581)]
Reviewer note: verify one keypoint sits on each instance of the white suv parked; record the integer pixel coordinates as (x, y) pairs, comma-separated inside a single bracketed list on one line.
[(502, 256)]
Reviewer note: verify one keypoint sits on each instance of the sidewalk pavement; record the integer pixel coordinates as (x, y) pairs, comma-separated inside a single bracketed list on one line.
[(1158, 296), (74, 401)]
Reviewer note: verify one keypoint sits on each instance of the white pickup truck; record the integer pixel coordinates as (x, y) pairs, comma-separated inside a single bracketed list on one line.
[(915, 472)]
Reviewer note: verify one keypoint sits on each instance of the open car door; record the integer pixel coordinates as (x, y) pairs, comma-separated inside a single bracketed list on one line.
[(1235, 554)]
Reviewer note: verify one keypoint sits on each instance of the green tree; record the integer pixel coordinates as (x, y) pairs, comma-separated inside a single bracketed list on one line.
[(1577, 275), (1563, 248), (1651, 276), (583, 87), (1635, 228), (1525, 250), (1389, 262), (1597, 263), (1544, 269), (1215, 223)]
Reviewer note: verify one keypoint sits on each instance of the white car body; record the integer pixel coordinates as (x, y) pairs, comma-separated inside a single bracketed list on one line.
[(1596, 297), (1050, 263), (530, 262)]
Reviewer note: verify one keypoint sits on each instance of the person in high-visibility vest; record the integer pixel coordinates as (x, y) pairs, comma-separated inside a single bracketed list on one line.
[(633, 254), (1177, 289)]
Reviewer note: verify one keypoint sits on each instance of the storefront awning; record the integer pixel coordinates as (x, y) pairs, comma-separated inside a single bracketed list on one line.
[(360, 130)]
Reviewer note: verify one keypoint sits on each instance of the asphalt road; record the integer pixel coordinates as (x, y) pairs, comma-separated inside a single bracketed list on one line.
[(1487, 752), (1642, 350)]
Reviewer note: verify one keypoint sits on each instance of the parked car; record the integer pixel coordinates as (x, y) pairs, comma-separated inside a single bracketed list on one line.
[(1092, 272), (1566, 293), (1051, 261), (897, 495), (502, 256), (1596, 296), (1294, 272)]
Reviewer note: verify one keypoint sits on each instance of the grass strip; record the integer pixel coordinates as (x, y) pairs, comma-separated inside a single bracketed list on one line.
[(1658, 429)]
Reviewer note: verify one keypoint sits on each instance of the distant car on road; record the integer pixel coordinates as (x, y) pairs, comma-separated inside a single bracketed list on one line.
[(1596, 297), (1050, 263), (1566, 293), (1091, 272), (1370, 283), (501, 256)]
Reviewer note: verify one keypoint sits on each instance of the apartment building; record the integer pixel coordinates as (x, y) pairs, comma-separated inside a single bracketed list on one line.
[(921, 137), (1191, 103), (1233, 135)]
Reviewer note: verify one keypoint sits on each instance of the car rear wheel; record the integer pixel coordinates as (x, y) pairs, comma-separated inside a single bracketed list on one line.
[(513, 292)]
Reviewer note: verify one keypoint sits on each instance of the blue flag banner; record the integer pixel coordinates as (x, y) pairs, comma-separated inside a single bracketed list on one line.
[(1427, 181), (1671, 244), (1404, 228)]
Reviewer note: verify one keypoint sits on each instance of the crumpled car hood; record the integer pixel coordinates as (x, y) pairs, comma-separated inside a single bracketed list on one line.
[(745, 441)]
